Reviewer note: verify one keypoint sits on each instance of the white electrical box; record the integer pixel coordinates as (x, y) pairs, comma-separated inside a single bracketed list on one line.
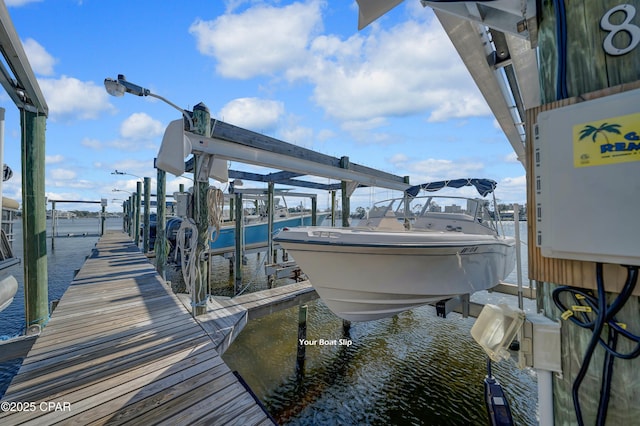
[(540, 344), (183, 204), (587, 180)]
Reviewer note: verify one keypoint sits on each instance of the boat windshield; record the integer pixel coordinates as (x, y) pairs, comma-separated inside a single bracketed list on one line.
[(418, 209)]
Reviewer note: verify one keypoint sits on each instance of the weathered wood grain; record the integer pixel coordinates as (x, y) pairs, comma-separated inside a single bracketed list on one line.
[(121, 348)]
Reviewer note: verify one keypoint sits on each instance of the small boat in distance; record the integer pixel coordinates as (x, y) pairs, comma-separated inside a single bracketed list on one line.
[(410, 251), (255, 228)]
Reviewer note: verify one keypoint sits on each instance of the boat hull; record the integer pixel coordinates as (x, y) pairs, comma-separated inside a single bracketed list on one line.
[(362, 281)]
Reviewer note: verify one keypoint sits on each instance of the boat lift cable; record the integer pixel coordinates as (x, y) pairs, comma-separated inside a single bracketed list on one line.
[(593, 313)]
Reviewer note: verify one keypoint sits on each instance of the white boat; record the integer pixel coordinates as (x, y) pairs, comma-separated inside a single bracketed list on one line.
[(409, 252)]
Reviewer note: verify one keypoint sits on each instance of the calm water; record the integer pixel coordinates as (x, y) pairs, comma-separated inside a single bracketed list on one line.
[(415, 368)]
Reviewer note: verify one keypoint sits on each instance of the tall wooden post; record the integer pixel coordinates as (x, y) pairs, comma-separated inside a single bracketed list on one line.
[(302, 336), (346, 207), (333, 208), (34, 218), (314, 211), (54, 224), (147, 215), (238, 250), (130, 209), (202, 123), (136, 229), (160, 247), (124, 216), (103, 216), (587, 49), (587, 46), (271, 213)]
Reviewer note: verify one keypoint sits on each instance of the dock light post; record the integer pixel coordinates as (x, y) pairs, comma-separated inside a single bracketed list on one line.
[(121, 190), (118, 87), (118, 172)]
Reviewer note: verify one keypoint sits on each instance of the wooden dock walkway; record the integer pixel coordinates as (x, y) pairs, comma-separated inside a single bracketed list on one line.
[(121, 348), (226, 317)]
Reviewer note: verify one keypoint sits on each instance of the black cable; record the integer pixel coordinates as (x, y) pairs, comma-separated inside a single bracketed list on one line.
[(607, 374), (604, 315), (593, 342), (561, 40)]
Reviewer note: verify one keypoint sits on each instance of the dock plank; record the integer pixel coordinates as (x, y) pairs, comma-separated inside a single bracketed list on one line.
[(226, 317), (120, 348)]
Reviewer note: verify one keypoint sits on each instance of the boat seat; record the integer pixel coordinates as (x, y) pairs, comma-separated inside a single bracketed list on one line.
[(390, 224)]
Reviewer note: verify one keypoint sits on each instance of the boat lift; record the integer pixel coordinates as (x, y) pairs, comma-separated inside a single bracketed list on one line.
[(231, 143)]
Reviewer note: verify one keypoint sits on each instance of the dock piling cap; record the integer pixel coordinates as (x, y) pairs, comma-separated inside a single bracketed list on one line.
[(495, 329)]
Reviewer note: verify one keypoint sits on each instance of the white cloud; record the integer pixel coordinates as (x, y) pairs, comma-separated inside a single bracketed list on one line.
[(62, 174), (512, 189), (406, 70), (399, 159), (91, 143), (261, 40), (433, 169), (260, 115), (53, 159), (512, 157), (140, 126), (298, 135), (69, 98), (18, 3), (132, 146), (40, 60)]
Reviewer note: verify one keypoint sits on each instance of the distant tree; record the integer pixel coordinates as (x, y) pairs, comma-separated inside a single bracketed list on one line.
[(360, 213)]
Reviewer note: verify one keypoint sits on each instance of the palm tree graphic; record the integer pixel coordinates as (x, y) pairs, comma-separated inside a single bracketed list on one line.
[(604, 128)]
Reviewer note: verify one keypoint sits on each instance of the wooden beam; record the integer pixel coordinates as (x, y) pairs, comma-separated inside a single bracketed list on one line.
[(15, 56)]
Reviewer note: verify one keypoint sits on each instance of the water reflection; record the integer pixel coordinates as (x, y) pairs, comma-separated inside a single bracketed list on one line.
[(414, 368)]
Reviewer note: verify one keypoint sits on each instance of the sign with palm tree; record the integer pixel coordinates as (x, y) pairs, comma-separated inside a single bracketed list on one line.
[(614, 140)]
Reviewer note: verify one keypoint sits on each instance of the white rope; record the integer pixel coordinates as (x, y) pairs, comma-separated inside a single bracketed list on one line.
[(188, 259), (215, 205)]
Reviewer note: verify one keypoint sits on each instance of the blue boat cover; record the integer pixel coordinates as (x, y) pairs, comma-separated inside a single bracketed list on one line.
[(484, 186)]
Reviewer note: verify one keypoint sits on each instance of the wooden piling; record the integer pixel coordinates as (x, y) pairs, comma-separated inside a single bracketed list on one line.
[(238, 250), (103, 215), (314, 211), (302, 336), (34, 218), (333, 208), (270, 212), (577, 64), (131, 208), (147, 215), (346, 208), (202, 124), (136, 228), (160, 246), (54, 224)]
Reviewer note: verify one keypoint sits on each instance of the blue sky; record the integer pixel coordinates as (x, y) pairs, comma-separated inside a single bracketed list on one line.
[(394, 96)]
